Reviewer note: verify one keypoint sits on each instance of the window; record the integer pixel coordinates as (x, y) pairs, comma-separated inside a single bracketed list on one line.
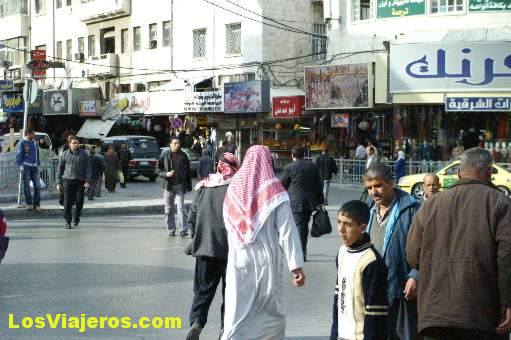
[(91, 45), (199, 43), (166, 33), (69, 49), (12, 7), (69, 2), (363, 9), (125, 88), (319, 42), (136, 38), (13, 50), (153, 36), (446, 6), (81, 46), (58, 4), (59, 49), (107, 40), (40, 6), (124, 40), (41, 47), (233, 39), (232, 78)]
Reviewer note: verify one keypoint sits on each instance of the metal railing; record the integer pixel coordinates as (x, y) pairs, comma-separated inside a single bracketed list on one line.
[(9, 176)]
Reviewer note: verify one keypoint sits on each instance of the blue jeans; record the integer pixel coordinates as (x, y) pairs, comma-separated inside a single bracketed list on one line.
[(175, 196), (31, 173), (326, 188)]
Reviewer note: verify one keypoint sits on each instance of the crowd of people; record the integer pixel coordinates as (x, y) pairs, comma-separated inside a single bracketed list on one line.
[(436, 268)]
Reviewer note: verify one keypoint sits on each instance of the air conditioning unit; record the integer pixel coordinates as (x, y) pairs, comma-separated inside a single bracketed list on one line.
[(80, 57), (104, 66)]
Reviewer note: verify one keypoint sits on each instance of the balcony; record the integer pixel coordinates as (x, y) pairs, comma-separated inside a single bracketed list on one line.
[(100, 10), (104, 66)]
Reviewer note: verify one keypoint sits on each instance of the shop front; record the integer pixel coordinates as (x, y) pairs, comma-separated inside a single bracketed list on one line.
[(451, 96)]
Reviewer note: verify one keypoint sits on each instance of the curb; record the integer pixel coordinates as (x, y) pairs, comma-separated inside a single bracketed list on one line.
[(23, 214), (14, 198)]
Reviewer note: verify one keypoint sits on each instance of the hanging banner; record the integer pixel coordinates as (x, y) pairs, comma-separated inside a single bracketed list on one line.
[(338, 87), (288, 107), (400, 8), (247, 96), (340, 120), (12, 102), (489, 5), (205, 102)]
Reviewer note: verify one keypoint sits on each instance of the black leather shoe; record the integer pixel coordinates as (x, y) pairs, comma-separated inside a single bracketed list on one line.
[(76, 222), (68, 226), (183, 234)]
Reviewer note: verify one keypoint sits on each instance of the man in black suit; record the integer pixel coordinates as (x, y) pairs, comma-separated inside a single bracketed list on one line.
[(303, 184)]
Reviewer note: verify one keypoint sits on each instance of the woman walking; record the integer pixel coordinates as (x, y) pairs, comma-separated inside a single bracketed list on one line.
[(111, 169), (261, 232)]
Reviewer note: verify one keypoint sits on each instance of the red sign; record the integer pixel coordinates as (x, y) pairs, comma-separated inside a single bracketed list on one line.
[(38, 65), (38, 56), (288, 107)]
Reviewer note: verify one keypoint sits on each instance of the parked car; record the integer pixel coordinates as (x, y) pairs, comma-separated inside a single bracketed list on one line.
[(4, 240), (44, 142), (449, 176), (144, 152), (193, 157)]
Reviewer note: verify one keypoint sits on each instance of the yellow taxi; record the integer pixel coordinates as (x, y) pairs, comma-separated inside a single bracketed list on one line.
[(413, 184)]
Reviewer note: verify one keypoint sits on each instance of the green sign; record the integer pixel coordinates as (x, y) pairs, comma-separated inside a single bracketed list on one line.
[(401, 8), (489, 5)]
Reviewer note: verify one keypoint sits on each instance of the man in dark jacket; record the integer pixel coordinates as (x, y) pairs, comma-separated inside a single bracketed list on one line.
[(205, 166), (327, 167), (303, 184), (174, 168), (124, 158), (461, 242), (392, 212), (97, 167), (73, 177)]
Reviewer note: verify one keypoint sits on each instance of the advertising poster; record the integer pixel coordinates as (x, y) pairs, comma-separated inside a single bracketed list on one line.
[(246, 97), (340, 120), (337, 87), (12, 102)]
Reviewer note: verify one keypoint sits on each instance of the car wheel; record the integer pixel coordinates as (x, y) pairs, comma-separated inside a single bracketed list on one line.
[(418, 190), (504, 190), (152, 178)]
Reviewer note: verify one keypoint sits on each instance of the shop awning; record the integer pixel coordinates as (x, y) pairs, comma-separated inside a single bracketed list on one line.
[(95, 128), (286, 92)]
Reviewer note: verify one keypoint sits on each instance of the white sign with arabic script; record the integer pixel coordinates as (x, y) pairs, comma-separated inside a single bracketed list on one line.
[(205, 102), (450, 67)]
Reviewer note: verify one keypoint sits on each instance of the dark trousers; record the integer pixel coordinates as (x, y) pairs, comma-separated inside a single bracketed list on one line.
[(403, 319), (302, 223), (208, 272), (91, 190), (73, 194), (441, 333)]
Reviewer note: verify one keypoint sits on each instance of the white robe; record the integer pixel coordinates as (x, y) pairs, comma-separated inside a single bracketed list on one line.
[(254, 279)]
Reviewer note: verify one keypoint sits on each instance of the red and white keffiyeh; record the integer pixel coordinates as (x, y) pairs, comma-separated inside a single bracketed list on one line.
[(252, 196)]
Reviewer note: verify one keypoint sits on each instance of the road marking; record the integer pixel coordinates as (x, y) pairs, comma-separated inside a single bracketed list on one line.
[(167, 248), (9, 296)]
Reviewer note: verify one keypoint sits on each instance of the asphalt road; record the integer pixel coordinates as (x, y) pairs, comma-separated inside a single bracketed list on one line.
[(117, 266)]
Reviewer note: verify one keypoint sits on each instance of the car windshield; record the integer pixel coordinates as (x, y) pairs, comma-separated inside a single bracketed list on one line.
[(143, 148)]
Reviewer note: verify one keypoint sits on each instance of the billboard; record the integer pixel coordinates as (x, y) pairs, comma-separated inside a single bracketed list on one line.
[(450, 67), (247, 96), (12, 102), (338, 87), (57, 102)]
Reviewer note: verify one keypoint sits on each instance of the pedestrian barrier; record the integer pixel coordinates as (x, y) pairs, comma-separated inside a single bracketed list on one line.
[(10, 175)]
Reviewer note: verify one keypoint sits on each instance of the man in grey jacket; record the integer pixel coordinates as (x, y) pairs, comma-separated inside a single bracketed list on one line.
[(74, 174)]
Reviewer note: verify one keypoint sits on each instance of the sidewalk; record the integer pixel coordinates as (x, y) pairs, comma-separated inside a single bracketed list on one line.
[(138, 198)]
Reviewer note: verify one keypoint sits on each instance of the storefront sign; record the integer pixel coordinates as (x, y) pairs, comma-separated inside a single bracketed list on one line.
[(12, 102), (489, 5), (138, 102), (245, 97), (450, 67), (57, 102), (340, 120), (6, 85), (38, 63), (205, 102), (400, 8), (87, 108), (288, 107), (477, 104), (337, 87)]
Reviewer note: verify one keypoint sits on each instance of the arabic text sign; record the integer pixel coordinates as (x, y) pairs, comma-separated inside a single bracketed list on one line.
[(12, 102), (400, 8), (288, 107), (450, 67), (337, 87), (246, 97), (489, 5), (205, 102), (6, 85), (477, 103)]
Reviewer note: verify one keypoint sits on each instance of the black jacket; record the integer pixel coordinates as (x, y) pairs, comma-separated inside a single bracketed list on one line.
[(206, 222), (326, 166), (303, 184), (165, 165)]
